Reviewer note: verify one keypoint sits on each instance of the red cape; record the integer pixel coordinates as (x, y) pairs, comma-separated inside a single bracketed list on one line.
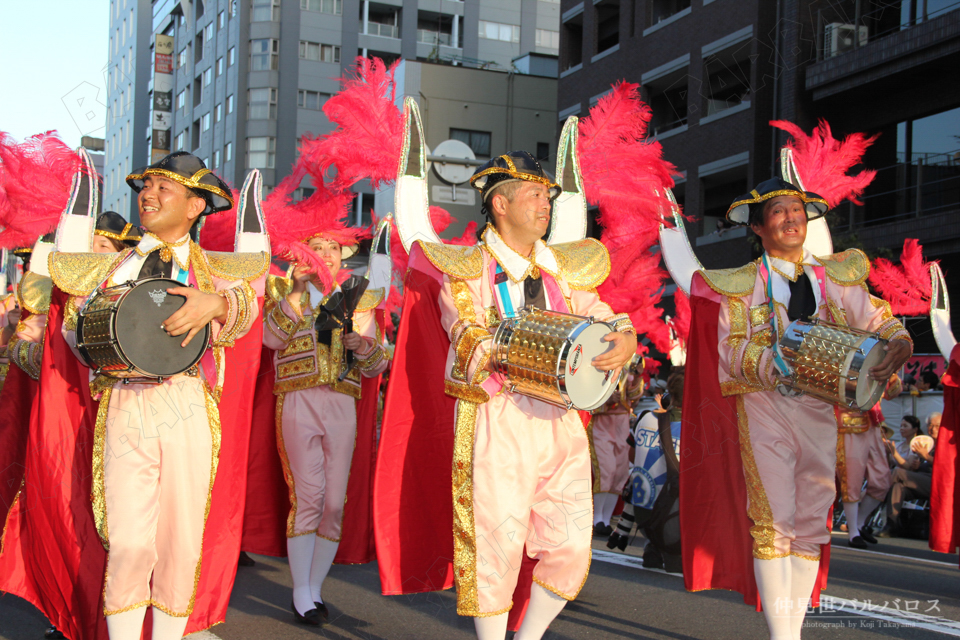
[(714, 527), (944, 499), (268, 501), (54, 557), (16, 401)]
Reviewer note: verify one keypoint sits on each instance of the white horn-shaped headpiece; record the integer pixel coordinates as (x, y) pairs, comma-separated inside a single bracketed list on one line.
[(569, 220), (819, 242), (940, 312), (4, 256), (251, 234), (380, 266), (411, 199), (79, 217), (675, 247), (678, 352)]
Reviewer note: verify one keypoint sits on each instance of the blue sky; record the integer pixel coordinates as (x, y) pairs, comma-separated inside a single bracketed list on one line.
[(52, 51)]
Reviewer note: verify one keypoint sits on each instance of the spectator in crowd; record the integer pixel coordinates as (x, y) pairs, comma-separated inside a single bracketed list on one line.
[(900, 455), (929, 381), (913, 470)]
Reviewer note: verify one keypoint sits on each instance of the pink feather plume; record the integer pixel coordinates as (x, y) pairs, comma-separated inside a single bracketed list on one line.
[(905, 286), (823, 161), (35, 180)]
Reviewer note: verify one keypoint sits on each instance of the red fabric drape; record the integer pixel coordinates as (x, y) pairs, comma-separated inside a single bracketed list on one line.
[(944, 499), (16, 402)]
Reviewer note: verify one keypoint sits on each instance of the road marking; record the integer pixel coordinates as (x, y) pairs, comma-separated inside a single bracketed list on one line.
[(897, 556), (203, 635), (839, 605)]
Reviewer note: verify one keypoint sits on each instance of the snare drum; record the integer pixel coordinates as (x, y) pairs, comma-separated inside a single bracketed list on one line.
[(546, 355), (832, 363), (119, 333)]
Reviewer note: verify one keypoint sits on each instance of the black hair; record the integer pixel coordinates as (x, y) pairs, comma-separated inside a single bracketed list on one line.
[(930, 378), (915, 423)]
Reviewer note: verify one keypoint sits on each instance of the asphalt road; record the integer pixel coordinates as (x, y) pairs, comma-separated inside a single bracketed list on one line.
[(619, 600)]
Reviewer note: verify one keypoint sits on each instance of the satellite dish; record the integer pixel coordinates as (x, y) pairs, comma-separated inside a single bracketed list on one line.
[(453, 172)]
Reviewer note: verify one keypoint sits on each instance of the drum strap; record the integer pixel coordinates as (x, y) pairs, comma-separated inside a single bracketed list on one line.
[(503, 292), (778, 360)]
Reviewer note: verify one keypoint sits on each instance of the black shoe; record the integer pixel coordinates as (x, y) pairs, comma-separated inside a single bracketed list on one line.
[(601, 530), (857, 543), (618, 541), (245, 560), (310, 617), (652, 558), (868, 536), (52, 632), (672, 564), (322, 611)]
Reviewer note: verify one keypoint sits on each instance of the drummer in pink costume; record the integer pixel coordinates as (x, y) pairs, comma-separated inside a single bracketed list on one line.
[(789, 459), (316, 412), (155, 470), (527, 461)]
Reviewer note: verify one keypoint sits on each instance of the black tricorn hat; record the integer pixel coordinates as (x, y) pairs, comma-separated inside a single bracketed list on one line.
[(748, 208), (510, 167), (111, 224), (188, 170)]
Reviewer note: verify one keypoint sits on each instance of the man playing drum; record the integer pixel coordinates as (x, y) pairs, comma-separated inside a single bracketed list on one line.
[(528, 461), (787, 443), (158, 444)]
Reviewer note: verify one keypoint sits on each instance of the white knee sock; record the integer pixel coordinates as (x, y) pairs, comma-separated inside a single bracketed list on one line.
[(773, 584), (867, 505), (544, 607), (491, 627), (603, 505), (300, 557), (850, 509), (168, 627), (127, 625), (803, 577), (324, 552)]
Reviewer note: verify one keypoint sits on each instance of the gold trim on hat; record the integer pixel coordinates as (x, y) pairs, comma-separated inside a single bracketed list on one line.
[(192, 182), (757, 198), (122, 236), (529, 177)]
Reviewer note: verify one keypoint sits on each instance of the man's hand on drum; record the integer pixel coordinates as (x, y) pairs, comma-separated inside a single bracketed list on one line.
[(197, 312), (898, 352), (353, 341), (624, 346)]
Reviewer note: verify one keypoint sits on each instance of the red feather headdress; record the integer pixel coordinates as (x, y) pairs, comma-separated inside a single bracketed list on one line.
[(907, 286), (823, 161), (626, 176), (35, 180)]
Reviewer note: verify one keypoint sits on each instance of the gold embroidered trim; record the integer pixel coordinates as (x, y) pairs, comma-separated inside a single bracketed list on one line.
[(33, 293), (463, 301), (464, 527), (736, 387), (287, 472), (123, 236), (456, 261), (752, 356), (238, 266), (594, 461), (837, 314), (142, 603), (842, 468), (79, 273), (296, 367), (584, 264), (466, 392), (283, 322), (738, 320), (213, 418), (732, 283), (373, 360), (467, 343), (192, 182), (166, 250), (98, 497), (370, 300), (759, 315), (849, 268), (297, 345), (758, 506), (6, 521), (815, 558)]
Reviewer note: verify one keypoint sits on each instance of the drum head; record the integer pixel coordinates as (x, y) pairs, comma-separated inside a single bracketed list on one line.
[(587, 386), (869, 389), (143, 342)]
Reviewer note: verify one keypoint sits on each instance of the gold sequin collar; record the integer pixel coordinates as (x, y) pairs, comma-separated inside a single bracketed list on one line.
[(179, 250)]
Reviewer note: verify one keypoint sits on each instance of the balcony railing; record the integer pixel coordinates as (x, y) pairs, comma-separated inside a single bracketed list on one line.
[(383, 30), (434, 37)]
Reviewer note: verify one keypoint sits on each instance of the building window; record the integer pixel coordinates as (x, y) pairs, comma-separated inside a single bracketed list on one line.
[(660, 10), (208, 33), (264, 10), (233, 8), (323, 6), (221, 20), (195, 135), (228, 152), (219, 67), (199, 13), (727, 78), (198, 48), (608, 24), (207, 76), (572, 53), (543, 151), (667, 97), (547, 39), (262, 104), (181, 99), (205, 122), (180, 140), (182, 58), (206, 161), (265, 54), (719, 190), (231, 56), (499, 31), (478, 141), (230, 103), (197, 91), (216, 158), (311, 99), (319, 52), (261, 153), (218, 113)]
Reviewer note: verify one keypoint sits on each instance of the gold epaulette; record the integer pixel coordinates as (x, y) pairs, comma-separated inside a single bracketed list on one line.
[(238, 266), (733, 283), (371, 299), (33, 293), (79, 273), (849, 268), (464, 263), (585, 264), (277, 288)]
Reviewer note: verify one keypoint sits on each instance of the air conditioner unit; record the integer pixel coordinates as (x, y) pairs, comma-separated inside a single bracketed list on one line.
[(839, 38)]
